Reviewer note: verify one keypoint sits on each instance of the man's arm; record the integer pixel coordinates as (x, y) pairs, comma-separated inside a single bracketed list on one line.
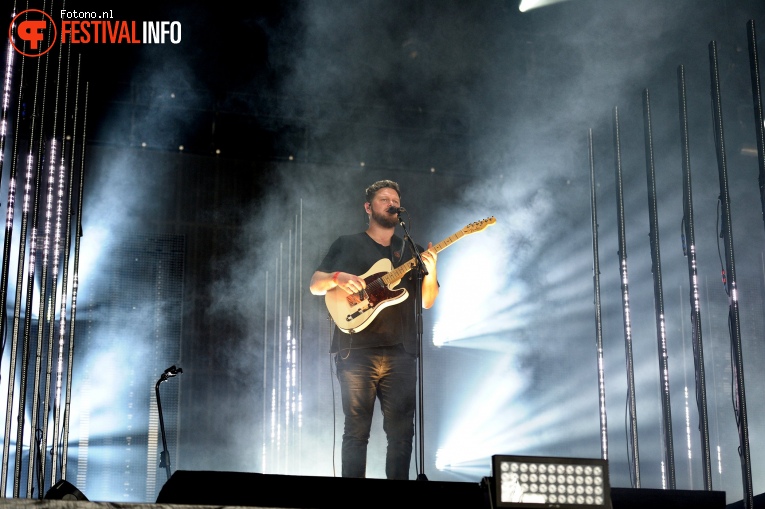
[(322, 282)]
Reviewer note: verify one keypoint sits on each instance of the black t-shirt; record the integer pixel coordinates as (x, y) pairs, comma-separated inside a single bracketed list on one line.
[(355, 254)]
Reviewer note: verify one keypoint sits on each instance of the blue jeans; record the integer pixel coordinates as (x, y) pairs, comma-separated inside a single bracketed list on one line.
[(388, 373)]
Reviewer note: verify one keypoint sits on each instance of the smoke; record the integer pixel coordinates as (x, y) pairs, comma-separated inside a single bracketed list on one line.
[(530, 86)]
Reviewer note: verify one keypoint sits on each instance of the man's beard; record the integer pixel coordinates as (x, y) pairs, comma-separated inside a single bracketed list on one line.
[(385, 221)]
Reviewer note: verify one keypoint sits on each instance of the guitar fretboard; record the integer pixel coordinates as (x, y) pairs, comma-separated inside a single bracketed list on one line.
[(398, 272)]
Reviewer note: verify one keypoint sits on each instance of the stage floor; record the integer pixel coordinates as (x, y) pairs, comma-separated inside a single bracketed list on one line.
[(209, 489)]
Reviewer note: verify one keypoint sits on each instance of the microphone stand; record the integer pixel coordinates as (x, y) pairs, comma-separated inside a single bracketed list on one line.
[(164, 458), (421, 273)]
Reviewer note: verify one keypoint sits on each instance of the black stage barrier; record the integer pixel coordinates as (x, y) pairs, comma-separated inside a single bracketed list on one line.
[(263, 490), (644, 498), (284, 491)]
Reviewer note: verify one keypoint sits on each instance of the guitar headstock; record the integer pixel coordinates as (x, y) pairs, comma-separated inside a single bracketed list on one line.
[(479, 225)]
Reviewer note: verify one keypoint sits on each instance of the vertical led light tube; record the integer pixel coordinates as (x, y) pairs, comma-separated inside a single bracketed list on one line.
[(759, 116), (49, 299), (263, 463), (288, 355), (598, 317), (62, 198), (734, 324), (280, 363), (689, 248), (274, 360), (20, 258), (75, 274), (6, 259), (622, 252), (658, 296), (299, 294), (47, 304)]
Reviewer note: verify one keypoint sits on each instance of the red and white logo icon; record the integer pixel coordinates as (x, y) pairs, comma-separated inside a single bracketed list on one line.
[(32, 33)]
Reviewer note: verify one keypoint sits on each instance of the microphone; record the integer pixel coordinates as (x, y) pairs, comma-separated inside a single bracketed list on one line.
[(172, 371), (395, 210)]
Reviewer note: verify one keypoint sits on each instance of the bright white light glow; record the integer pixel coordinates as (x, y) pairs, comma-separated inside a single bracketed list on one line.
[(11, 202), (663, 476), (479, 426), (95, 242), (28, 183), (688, 424), (49, 202), (719, 460), (501, 305), (7, 81), (527, 5), (504, 419)]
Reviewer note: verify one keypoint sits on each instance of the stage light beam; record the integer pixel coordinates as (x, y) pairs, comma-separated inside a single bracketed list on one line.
[(527, 5)]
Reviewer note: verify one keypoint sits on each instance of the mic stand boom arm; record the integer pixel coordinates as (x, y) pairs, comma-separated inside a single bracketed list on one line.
[(164, 458)]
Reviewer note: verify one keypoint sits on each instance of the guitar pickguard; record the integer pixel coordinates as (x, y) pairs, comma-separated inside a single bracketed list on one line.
[(353, 313)]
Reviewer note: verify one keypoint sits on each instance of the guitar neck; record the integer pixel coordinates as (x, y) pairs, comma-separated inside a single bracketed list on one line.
[(398, 272)]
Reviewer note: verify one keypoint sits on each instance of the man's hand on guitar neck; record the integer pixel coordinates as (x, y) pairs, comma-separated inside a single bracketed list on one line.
[(321, 282), (429, 258), (430, 283)]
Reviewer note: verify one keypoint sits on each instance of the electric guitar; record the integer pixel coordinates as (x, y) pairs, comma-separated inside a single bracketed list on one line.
[(354, 312)]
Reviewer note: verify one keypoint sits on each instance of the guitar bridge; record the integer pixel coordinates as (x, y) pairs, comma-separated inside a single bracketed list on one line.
[(358, 312)]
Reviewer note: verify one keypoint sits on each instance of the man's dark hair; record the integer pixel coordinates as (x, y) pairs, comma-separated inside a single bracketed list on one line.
[(381, 184)]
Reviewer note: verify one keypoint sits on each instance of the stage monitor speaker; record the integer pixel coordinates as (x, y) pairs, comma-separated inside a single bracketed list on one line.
[(287, 491), (64, 490)]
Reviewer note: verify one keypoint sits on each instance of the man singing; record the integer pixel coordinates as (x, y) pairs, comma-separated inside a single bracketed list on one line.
[(380, 360)]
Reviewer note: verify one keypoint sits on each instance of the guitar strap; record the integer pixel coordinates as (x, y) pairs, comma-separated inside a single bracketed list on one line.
[(395, 252), (397, 255)]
